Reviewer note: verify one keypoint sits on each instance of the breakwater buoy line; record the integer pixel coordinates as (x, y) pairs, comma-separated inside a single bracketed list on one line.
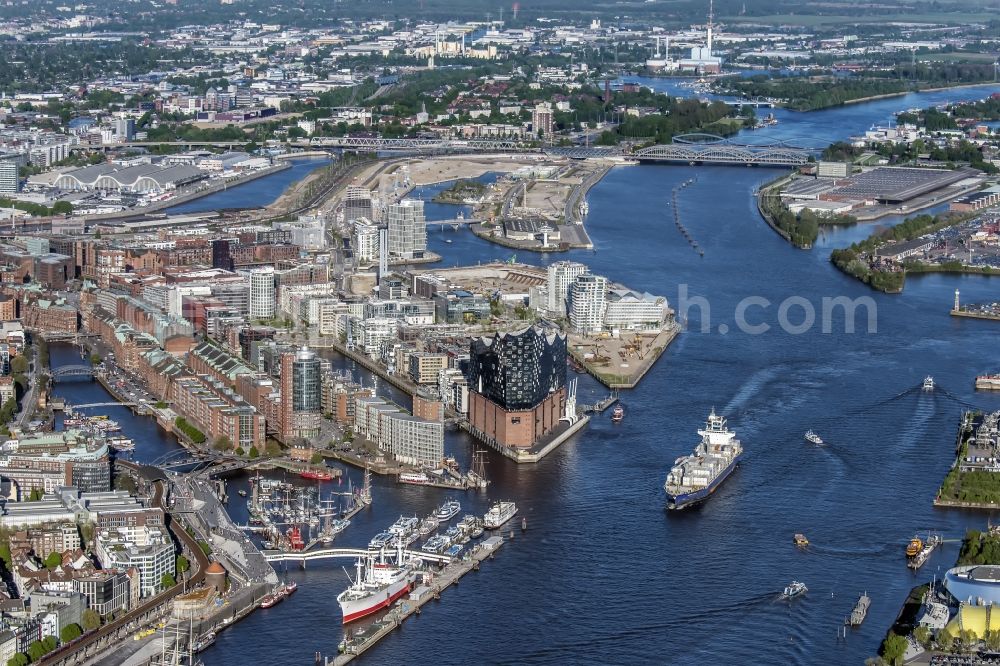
[(677, 217)]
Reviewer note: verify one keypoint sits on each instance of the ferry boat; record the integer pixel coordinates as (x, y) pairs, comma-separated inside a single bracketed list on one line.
[(379, 583), (448, 510), (617, 414), (417, 479), (404, 525), (499, 514), (121, 443), (270, 600), (988, 382), (813, 438), (380, 540), (435, 544), (405, 539), (316, 475), (428, 525), (695, 477), (928, 384), (794, 589), (915, 547)]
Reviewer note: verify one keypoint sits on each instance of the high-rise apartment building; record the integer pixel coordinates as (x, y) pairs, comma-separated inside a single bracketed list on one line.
[(561, 275), (301, 394), (262, 292), (588, 298), (407, 229)]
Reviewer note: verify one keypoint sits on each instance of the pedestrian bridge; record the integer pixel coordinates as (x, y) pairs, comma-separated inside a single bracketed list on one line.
[(343, 553)]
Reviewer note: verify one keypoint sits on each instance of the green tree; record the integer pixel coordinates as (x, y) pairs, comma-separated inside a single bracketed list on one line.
[(182, 564), (53, 560), (254, 453), (35, 494), (317, 458), (70, 632), (50, 643), (893, 648), (19, 659), (91, 619), (19, 365), (922, 634), (167, 581), (95, 359), (222, 443), (36, 650), (62, 208)]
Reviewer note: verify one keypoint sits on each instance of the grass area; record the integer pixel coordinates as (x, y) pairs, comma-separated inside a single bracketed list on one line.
[(807, 20)]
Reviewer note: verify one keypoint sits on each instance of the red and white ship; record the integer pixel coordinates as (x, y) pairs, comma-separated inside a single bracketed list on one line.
[(378, 585)]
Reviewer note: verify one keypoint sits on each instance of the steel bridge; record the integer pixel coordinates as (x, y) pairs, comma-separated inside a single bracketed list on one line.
[(72, 371), (343, 553), (712, 149), (382, 144)]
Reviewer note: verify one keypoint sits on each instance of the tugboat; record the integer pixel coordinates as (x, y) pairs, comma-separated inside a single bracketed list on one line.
[(928, 384), (617, 414), (813, 438), (794, 589)]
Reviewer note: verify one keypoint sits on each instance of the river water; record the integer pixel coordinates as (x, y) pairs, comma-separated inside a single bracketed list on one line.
[(604, 574)]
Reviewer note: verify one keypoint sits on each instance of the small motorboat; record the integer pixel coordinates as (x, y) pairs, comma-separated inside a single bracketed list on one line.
[(617, 414), (800, 540), (928, 384), (813, 438), (794, 589)]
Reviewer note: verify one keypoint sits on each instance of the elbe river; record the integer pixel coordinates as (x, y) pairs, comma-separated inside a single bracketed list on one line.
[(604, 574)]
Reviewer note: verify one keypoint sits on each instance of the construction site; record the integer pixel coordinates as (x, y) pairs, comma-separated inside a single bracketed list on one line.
[(619, 361)]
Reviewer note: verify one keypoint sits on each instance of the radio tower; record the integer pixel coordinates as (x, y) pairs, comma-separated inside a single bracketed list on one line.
[(711, 12)]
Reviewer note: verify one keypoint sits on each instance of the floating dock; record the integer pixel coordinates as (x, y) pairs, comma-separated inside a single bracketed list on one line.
[(367, 638)]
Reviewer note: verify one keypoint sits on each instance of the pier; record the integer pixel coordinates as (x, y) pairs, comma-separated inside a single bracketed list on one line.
[(365, 640)]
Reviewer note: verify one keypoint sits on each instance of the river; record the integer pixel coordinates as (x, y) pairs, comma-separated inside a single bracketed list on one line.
[(603, 573)]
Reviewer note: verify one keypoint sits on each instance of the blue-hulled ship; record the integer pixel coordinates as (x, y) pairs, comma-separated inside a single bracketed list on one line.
[(695, 477)]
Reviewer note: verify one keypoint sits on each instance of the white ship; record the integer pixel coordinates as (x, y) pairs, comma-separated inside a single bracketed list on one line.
[(379, 583), (499, 514), (448, 510)]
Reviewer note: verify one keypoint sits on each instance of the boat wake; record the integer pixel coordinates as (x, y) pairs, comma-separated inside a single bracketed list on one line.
[(861, 551)]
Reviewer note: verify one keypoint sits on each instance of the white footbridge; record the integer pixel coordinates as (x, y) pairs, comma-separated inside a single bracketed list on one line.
[(344, 553)]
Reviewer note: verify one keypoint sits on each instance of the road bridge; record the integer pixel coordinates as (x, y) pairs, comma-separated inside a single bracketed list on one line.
[(344, 553)]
